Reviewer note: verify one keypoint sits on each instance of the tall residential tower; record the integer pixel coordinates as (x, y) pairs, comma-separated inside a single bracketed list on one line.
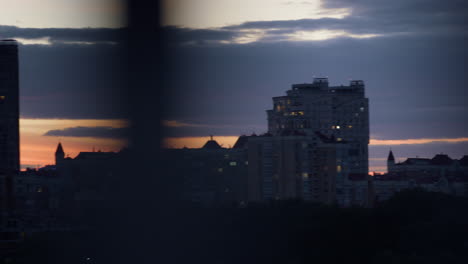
[(9, 121), (340, 112)]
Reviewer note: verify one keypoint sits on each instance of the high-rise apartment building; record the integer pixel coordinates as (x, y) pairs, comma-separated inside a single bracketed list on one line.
[(9, 120), (317, 142), (306, 167), (340, 112)]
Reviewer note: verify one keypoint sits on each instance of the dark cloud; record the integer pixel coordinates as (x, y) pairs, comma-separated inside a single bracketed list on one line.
[(95, 132), (383, 18), (217, 130), (196, 36), (402, 7), (416, 84), (72, 81), (67, 79), (64, 35), (414, 16)]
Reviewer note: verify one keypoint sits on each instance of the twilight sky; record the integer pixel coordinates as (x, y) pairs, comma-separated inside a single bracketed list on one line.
[(68, 91), (230, 57), (225, 59)]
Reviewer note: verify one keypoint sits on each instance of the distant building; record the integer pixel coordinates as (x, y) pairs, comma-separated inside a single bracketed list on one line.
[(38, 198), (439, 174), (89, 178), (210, 175), (316, 149), (439, 165), (385, 186), (9, 122), (312, 168), (317, 140), (341, 112)]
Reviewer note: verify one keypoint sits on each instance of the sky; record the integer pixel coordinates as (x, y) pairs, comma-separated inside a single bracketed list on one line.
[(68, 90), (226, 59), (229, 58), (63, 13)]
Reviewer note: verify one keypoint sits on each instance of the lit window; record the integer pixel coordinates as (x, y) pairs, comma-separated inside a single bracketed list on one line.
[(305, 175), (232, 163), (247, 163), (362, 109), (2, 97), (338, 168), (300, 113), (333, 127), (220, 169), (278, 108), (39, 189), (289, 102), (339, 139), (337, 127), (350, 126)]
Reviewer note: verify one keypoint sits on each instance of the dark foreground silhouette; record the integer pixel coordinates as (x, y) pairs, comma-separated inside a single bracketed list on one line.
[(413, 227)]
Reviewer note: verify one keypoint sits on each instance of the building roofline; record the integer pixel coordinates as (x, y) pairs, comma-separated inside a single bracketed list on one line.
[(8, 42)]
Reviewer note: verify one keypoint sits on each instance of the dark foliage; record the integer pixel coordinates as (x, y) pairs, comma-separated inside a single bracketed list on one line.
[(413, 227)]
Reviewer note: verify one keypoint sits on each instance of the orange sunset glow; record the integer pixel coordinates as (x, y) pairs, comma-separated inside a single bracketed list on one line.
[(197, 142), (38, 150), (417, 141), (226, 141)]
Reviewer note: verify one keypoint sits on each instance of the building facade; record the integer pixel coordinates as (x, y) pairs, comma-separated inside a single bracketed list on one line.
[(439, 165), (341, 112), (9, 121), (311, 168), (210, 175), (438, 174)]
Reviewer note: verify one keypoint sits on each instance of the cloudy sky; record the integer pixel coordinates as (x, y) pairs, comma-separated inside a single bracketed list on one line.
[(230, 57), (69, 56), (225, 59)]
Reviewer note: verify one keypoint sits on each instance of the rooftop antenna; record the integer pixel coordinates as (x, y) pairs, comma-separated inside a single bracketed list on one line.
[(211, 137)]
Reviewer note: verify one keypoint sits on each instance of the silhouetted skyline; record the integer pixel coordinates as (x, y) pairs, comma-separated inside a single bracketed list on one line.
[(223, 77)]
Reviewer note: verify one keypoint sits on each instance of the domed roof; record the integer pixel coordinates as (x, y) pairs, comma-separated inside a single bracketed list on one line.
[(211, 144)]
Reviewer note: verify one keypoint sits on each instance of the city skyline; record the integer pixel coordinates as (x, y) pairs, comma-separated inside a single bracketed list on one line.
[(228, 70), (411, 55), (45, 106), (233, 131)]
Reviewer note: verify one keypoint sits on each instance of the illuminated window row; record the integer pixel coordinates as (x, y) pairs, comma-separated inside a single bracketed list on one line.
[(339, 127)]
